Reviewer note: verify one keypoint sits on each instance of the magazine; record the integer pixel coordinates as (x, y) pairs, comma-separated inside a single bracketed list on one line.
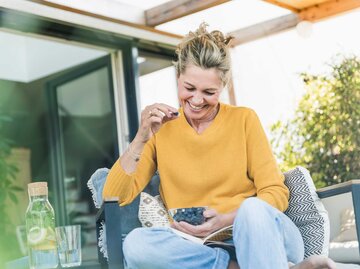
[(215, 239)]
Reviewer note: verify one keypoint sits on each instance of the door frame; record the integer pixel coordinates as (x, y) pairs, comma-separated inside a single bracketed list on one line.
[(53, 123)]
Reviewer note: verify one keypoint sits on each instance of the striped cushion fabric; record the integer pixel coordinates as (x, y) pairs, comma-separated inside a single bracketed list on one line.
[(307, 212)]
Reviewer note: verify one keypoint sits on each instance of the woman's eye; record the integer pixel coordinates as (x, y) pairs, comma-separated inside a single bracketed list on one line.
[(209, 93), (190, 89)]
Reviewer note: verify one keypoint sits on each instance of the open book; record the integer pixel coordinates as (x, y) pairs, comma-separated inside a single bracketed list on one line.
[(215, 239)]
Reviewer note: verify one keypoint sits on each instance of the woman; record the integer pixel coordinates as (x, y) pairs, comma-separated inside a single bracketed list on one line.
[(212, 154)]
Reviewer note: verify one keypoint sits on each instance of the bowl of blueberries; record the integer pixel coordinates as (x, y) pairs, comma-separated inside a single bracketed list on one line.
[(191, 215)]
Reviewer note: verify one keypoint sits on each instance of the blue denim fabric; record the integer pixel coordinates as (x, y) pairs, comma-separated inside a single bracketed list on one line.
[(264, 238), (96, 185), (160, 248)]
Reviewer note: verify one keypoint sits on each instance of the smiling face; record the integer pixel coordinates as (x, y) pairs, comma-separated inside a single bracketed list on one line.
[(199, 92)]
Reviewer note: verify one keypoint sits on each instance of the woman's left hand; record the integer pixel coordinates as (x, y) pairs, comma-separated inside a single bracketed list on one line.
[(214, 221)]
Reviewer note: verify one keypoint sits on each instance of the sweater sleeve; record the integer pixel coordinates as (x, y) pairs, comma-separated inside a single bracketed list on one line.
[(262, 166), (127, 186)]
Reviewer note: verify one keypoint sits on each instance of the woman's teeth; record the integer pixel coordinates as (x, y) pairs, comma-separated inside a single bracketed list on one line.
[(195, 107)]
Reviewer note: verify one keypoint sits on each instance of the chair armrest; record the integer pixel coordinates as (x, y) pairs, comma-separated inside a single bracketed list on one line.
[(100, 214), (340, 188), (353, 188), (111, 215)]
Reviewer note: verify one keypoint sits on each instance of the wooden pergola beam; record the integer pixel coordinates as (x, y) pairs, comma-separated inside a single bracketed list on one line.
[(283, 5), (176, 9), (105, 18), (264, 29), (328, 9), (287, 22), (231, 92)]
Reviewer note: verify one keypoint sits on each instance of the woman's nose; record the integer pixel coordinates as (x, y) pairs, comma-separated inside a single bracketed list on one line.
[(197, 100)]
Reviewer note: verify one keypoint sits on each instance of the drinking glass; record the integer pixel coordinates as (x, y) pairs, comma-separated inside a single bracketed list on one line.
[(69, 245)]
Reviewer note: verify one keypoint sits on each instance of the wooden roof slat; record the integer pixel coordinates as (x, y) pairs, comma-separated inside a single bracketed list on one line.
[(264, 29), (176, 9), (312, 13), (105, 18), (327, 9), (296, 4), (283, 5)]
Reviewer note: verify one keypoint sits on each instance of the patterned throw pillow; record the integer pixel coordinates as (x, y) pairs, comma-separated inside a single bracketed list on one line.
[(307, 212), (152, 212)]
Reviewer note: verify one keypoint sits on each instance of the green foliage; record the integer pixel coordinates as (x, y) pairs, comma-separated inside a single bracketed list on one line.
[(324, 134), (8, 244)]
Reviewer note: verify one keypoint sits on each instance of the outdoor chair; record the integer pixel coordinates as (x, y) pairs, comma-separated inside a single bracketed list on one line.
[(308, 208)]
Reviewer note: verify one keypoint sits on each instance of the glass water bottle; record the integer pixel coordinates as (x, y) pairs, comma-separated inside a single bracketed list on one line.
[(40, 228)]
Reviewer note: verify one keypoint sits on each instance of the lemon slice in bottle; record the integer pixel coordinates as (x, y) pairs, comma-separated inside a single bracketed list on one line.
[(36, 235)]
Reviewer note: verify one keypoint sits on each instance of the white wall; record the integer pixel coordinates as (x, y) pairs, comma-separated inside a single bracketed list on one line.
[(108, 8), (266, 71), (13, 64), (159, 87)]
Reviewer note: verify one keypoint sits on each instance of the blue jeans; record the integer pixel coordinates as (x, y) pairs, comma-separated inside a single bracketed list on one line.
[(264, 238)]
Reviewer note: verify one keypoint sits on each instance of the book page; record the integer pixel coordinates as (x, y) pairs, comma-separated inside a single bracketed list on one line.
[(219, 235), (188, 236)]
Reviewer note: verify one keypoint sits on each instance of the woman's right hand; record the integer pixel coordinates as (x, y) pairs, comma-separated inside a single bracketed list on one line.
[(152, 118)]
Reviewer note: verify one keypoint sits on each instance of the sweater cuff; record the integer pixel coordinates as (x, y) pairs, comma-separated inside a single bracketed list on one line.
[(279, 203), (117, 183)]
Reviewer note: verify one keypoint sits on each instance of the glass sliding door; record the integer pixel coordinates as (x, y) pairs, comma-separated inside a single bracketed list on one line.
[(57, 124), (84, 138)]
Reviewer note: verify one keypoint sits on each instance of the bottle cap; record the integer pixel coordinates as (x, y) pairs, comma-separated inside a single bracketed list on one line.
[(37, 188)]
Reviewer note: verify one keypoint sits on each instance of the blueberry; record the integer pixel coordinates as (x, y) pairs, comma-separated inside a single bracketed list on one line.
[(193, 215)]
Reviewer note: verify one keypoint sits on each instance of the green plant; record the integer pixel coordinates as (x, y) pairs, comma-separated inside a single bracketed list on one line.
[(8, 244), (324, 134)]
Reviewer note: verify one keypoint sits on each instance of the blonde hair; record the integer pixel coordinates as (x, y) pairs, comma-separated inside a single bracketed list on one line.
[(205, 50)]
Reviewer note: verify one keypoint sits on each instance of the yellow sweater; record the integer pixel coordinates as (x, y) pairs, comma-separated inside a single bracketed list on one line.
[(229, 162)]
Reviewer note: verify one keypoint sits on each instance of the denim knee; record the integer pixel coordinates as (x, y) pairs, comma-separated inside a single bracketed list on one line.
[(260, 228), (142, 248), (253, 211), (251, 205), (136, 248)]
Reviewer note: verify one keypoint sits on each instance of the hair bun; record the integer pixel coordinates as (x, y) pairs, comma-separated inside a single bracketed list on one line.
[(220, 38), (206, 50), (216, 36)]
